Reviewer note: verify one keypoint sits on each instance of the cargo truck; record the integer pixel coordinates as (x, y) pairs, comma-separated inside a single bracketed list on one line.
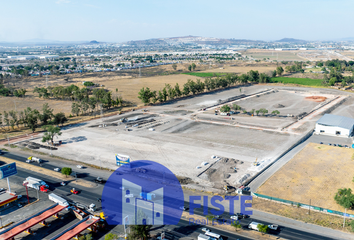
[(32, 179), (35, 185), (35, 159), (55, 198)]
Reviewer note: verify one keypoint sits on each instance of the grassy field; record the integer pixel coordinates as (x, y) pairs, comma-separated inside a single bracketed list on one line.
[(316, 173), (204, 74), (299, 81)]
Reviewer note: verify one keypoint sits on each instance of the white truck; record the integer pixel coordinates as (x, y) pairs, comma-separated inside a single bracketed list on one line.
[(35, 185), (253, 225), (35, 159), (203, 237), (32, 179), (55, 198)]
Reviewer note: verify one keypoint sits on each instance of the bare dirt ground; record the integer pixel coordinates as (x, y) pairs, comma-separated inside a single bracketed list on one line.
[(182, 143), (317, 177), (301, 214)]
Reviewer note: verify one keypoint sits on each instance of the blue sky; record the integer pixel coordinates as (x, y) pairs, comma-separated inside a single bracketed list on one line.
[(118, 21)]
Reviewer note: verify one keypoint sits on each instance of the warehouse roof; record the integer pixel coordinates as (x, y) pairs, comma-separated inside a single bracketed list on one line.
[(336, 121)]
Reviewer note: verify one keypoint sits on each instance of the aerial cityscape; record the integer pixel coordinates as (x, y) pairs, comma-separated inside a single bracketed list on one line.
[(157, 120)]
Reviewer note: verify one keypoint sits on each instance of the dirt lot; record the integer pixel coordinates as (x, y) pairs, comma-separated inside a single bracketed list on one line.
[(317, 177)]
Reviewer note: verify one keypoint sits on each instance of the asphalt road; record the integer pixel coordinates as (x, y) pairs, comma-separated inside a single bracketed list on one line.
[(90, 195)]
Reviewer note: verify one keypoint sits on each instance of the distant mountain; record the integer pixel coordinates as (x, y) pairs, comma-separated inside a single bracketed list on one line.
[(195, 40), (94, 42), (291, 40)]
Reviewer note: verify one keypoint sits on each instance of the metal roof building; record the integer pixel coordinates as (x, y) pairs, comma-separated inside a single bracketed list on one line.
[(335, 125)]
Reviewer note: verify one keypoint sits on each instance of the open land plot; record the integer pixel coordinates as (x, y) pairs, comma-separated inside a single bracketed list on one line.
[(316, 173), (179, 144), (273, 55), (244, 69)]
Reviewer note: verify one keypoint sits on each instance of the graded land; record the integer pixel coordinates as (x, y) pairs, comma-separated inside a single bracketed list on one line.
[(316, 173)]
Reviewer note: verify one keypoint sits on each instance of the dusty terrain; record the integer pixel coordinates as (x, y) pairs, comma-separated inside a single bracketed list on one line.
[(176, 135), (273, 55), (317, 177)]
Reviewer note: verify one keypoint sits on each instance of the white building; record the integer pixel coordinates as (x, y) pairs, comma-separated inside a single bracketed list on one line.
[(335, 125)]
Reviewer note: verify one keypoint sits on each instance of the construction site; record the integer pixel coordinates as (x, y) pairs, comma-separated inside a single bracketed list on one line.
[(205, 148)]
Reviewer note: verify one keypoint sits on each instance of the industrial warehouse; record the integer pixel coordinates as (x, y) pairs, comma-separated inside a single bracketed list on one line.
[(335, 125)]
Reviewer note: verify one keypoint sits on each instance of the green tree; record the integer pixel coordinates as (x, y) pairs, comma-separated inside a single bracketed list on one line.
[(6, 119), (236, 107), (110, 236), (257, 112), (263, 111), (352, 225), (274, 73), (263, 228), (14, 120), (52, 131), (275, 112), (145, 95), (59, 118), (190, 67), (174, 66), (32, 118), (178, 90), (47, 114), (75, 108), (210, 217), (332, 81), (344, 197), (66, 171), (193, 66), (139, 232), (236, 225), (225, 108), (279, 70)]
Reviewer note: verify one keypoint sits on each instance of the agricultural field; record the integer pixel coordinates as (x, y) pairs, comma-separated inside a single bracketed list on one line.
[(273, 55), (317, 178), (298, 81), (205, 74)]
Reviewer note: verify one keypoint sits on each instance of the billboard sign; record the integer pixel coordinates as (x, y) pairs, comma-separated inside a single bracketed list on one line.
[(122, 160), (8, 170)]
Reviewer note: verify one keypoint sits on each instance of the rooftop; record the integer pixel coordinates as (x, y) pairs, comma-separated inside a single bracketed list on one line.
[(336, 121)]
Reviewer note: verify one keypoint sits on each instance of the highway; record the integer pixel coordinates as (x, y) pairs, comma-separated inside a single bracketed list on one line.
[(90, 195)]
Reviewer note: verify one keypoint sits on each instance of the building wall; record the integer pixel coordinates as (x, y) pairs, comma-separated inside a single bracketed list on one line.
[(329, 130)]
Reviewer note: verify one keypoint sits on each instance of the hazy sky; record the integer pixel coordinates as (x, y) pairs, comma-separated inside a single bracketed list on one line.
[(117, 20)]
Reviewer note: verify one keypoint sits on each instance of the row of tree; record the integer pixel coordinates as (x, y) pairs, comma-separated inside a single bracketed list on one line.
[(4, 91), (87, 98), (193, 87), (31, 118), (227, 108)]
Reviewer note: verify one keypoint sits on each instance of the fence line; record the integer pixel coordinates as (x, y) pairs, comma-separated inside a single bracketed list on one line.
[(302, 205)]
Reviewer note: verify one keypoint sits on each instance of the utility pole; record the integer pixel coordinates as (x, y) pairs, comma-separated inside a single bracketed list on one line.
[(345, 213)]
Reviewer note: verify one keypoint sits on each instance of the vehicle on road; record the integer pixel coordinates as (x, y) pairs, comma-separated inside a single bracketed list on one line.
[(2, 189), (235, 217), (19, 205), (253, 225), (79, 166), (129, 195), (213, 235), (99, 180), (329, 144), (182, 208), (74, 191), (334, 144), (206, 229), (36, 184), (57, 169), (35, 159), (321, 142), (63, 183), (273, 227), (55, 198), (28, 161)]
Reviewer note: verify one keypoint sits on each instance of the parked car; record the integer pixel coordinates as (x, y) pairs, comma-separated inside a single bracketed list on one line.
[(19, 205), (321, 142), (2, 189), (339, 145), (57, 169), (329, 144), (79, 166), (334, 144)]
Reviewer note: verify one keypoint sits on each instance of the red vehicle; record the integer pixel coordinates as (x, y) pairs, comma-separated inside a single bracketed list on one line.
[(43, 189), (74, 191)]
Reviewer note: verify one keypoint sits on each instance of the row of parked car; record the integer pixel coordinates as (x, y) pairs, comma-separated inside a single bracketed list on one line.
[(336, 145)]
